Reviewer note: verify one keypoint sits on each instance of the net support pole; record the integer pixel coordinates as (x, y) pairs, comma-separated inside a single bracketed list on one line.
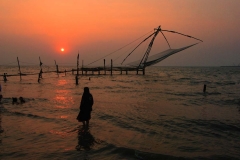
[(19, 69)]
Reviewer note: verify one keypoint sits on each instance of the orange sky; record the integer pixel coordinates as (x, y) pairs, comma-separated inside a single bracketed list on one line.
[(30, 29)]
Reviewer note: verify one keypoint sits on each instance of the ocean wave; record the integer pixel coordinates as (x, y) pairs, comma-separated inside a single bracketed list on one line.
[(30, 115), (225, 83), (111, 151), (208, 128), (8, 100), (122, 123)]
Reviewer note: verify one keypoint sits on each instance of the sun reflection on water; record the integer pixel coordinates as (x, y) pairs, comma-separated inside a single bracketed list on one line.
[(62, 82), (63, 98), (59, 133), (63, 117)]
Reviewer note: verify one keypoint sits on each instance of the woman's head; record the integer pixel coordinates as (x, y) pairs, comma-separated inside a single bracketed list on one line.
[(86, 90)]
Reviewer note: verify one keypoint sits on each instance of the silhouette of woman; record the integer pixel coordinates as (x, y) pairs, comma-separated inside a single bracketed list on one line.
[(85, 107)]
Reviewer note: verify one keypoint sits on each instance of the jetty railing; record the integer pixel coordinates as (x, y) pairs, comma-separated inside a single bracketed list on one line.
[(102, 70)]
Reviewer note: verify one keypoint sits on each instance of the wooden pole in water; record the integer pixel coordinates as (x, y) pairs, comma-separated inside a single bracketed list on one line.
[(40, 62), (204, 88), (82, 67), (19, 69), (143, 70), (77, 64), (40, 67), (104, 67), (76, 78), (56, 68)]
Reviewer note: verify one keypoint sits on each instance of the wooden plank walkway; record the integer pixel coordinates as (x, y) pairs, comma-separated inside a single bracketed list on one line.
[(104, 70)]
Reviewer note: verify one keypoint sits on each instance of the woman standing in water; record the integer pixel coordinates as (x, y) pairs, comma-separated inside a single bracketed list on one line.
[(85, 107)]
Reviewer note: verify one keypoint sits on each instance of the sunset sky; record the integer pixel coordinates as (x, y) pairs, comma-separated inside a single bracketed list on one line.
[(31, 29)]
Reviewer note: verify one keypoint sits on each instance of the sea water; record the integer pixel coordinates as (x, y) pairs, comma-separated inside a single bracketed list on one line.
[(163, 114)]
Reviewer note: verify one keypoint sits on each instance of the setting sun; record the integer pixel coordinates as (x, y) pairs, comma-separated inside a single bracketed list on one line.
[(62, 49)]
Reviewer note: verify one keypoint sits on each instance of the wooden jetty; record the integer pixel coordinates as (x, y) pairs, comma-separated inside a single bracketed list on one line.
[(106, 69), (103, 71), (84, 71)]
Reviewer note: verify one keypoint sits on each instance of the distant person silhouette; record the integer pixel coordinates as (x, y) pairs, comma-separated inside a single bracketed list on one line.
[(14, 100), (85, 107), (21, 100), (5, 77)]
